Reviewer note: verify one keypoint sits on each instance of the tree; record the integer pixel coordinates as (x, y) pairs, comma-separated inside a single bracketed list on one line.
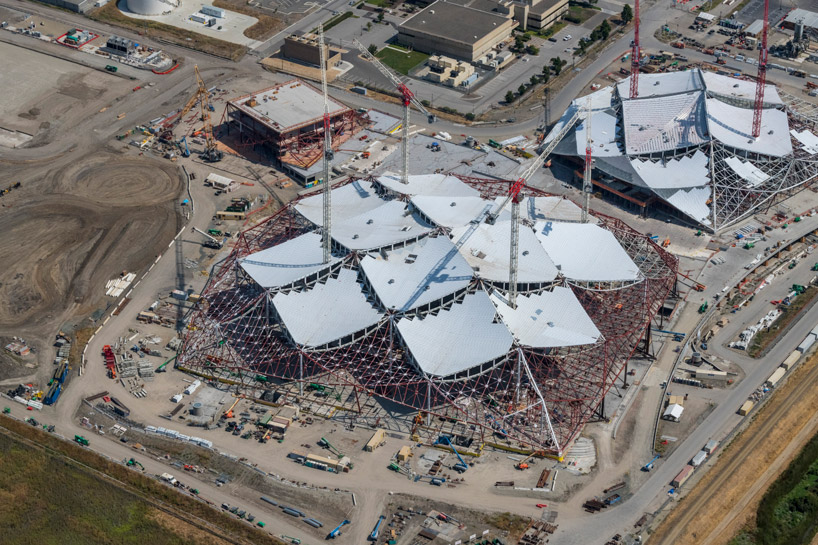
[(627, 14), (605, 29), (372, 49), (556, 65), (546, 74), (469, 116), (532, 50), (534, 80), (509, 97), (521, 89), (380, 16)]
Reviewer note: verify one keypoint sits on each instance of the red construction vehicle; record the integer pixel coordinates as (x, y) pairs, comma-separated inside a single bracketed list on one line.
[(110, 360)]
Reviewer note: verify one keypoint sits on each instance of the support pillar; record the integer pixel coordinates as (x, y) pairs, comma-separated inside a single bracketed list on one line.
[(300, 374)]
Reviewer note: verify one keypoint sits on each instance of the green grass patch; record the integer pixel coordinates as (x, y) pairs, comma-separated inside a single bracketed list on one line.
[(788, 513), (51, 495), (109, 13), (401, 61), (766, 337), (379, 3), (579, 14)]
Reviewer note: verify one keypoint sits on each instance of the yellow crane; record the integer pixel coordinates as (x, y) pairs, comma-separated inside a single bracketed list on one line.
[(211, 152)]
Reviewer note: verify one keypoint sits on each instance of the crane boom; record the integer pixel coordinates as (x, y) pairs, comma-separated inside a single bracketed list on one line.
[(587, 183), (762, 74), (635, 54), (326, 240), (211, 153), (408, 98)]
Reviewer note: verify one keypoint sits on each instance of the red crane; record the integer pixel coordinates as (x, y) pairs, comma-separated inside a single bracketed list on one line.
[(635, 53), (762, 73)]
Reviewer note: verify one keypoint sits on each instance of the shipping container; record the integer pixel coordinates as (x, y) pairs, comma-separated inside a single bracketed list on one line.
[(377, 439), (791, 360), (775, 377), (224, 215), (806, 344), (711, 447), (698, 459), (682, 476), (745, 408)]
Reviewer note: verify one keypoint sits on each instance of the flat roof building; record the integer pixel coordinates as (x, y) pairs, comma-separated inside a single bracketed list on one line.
[(454, 30)]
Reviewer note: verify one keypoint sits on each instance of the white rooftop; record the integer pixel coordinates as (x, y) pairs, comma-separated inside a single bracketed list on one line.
[(664, 123), (726, 86), (733, 127), (586, 252), (417, 274), (487, 249), (457, 339), (548, 208), (347, 201), (605, 135), (548, 319), (747, 171), (692, 201), (427, 184), (328, 312), (454, 211), (687, 171), (288, 262), (288, 105), (385, 225), (808, 141), (663, 84)]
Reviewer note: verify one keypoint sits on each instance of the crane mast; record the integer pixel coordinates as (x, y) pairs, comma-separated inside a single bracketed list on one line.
[(635, 53), (408, 98), (762, 74), (326, 238), (587, 183)]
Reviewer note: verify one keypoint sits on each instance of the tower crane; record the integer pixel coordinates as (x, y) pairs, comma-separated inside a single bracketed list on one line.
[(762, 74), (408, 98), (326, 238), (635, 53), (587, 183), (514, 197)]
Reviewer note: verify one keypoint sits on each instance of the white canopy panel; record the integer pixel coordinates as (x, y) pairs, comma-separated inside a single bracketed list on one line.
[(586, 252), (417, 274), (664, 123), (549, 208), (809, 142), (453, 211), (327, 312), (688, 171), (347, 201), (487, 249), (288, 262), (457, 339), (658, 85), (548, 319), (726, 86), (692, 202), (385, 225), (732, 126), (604, 135), (428, 184), (747, 171)]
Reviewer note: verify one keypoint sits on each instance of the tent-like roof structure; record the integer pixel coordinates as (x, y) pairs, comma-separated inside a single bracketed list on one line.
[(289, 262), (687, 140)]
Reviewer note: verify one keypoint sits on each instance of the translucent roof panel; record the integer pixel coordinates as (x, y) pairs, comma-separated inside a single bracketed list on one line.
[(428, 184), (287, 262), (328, 312), (808, 141), (417, 274), (665, 123), (487, 248), (453, 211), (693, 201), (548, 319), (732, 126), (657, 85), (604, 135), (586, 252), (347, 201), (385, 225), (454, 340), (690, 171), (747, 171), (728, 87)]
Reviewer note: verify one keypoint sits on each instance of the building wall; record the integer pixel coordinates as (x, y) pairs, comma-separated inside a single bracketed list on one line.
[(441, 45), (541, 19), (305, 50)]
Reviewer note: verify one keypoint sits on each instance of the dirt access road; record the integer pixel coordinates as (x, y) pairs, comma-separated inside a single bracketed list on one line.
[(729, 493)]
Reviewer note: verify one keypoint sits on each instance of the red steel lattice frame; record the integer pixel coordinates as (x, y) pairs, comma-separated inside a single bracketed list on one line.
[(232, 331)]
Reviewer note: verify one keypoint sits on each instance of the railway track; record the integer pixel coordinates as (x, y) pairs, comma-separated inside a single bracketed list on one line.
[(695, 510)]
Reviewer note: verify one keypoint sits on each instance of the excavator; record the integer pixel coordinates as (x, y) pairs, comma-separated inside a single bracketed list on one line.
[(134, 463)]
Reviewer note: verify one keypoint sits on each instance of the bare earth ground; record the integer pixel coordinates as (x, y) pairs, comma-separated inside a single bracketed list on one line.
[(728, 495)]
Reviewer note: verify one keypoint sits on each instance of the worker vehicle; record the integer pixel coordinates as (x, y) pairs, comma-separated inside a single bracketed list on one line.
[(111, 68), (6, 410), (293, 540), (81, 440), (337, 531), (542, 505), (649, 465)]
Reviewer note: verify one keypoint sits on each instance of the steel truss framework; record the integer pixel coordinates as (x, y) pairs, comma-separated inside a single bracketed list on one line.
[(530, 398)]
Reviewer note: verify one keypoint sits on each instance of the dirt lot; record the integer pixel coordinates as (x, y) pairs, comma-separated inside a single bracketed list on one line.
[(728, 495)]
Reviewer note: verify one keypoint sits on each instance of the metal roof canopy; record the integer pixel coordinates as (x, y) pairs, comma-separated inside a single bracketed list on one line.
[(548, 319), (809, 142), (488, 251), (386, 225), (453, 211), (548, 208), (726, 86), (687, 171), (455, 340), (297, 105), (605, 135), (586, 252), (662, 84), (691, 201), (664, 123), (417, 274), (427, 184), (348, 201), (287, 262), (731, 126), (328, 312)]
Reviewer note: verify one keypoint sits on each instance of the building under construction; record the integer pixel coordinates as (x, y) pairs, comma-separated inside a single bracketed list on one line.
[(286, 121), (410, 316)]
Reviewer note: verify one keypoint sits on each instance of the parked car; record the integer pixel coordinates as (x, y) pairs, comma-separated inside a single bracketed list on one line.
[(566, 37)]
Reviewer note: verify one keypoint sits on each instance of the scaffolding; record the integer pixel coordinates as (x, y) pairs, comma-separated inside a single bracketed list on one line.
[(530, 398)]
